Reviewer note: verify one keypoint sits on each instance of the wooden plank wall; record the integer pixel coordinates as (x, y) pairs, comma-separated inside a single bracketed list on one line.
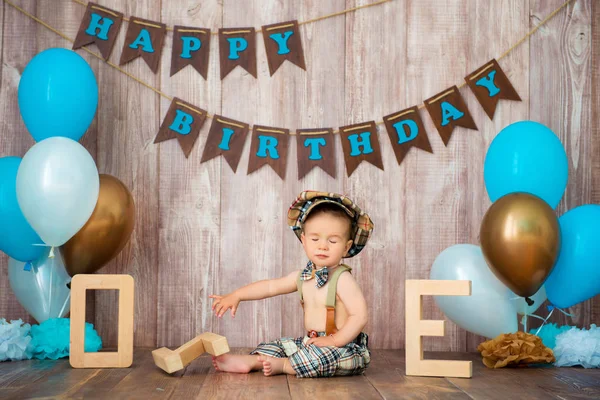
[(202, 229)]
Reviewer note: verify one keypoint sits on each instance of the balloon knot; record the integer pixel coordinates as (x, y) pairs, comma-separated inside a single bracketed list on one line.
[(529, 301), (27, 266), (51, 255)]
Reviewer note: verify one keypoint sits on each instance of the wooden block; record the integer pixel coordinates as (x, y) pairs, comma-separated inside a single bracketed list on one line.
[(215, 344), (175, 360), (191, 350), (416, 328), (167, 360), (123, 358)]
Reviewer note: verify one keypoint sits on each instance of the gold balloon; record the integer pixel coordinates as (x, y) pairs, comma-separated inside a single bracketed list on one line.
[(105, 233), (520, 240)]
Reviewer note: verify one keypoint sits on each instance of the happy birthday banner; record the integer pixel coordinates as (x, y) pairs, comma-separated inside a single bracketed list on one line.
[(316, 147), (191, 44), (269, 145)]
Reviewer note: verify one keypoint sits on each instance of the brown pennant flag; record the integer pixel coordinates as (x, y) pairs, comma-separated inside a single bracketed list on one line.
[(144, 38), (237, 46), (226, 137), (191, 46), (490, 85), (269, 147), (316, 148), (447, 110), (360, 143), (100, 25), (406, 130), (183, 122), (283, 42)]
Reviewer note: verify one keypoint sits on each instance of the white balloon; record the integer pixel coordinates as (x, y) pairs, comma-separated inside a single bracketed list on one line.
[(42, 287), (57, 188), (521, 305), (488, 311)]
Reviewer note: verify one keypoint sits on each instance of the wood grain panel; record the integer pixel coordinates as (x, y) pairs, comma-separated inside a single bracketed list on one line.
[(251, 218), (380, 268), (202, 229), (561, 98), (436, 184), (14, 137), (127, 124), (490, 41), (320, 104), (190, 195)]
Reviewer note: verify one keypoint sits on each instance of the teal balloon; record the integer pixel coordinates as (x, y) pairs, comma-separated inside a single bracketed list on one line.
[(58, 95), (17, 238), (528, 157), (576, 274)]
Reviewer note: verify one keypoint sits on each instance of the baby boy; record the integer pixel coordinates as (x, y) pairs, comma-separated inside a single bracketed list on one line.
[(330, 227)]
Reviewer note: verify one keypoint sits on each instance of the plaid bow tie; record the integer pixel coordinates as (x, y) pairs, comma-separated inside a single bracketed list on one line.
[(320, 275)]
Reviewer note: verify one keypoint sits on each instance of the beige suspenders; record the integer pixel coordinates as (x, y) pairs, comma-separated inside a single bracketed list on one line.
[(330, 327)]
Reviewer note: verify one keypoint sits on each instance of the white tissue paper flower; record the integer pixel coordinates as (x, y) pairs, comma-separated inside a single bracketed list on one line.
[(15, 341), (578, 347)]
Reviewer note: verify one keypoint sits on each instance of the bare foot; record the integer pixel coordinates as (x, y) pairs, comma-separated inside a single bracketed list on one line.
[(272, 365), (241, 364)]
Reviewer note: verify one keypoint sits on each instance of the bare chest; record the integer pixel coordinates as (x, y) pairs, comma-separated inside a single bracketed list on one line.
[(314, 297)]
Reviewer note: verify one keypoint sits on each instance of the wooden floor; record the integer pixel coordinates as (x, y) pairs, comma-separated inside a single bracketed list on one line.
[(384, 379)]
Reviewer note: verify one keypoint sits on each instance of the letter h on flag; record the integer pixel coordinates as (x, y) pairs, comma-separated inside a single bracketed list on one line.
[(360, 143), (100, 26)]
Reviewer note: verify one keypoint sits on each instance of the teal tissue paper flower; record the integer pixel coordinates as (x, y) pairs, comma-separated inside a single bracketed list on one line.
[(549, 332), (15, 342), (51, 339)]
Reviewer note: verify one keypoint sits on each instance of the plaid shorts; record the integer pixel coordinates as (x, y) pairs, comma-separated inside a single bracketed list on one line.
[(310, 361)]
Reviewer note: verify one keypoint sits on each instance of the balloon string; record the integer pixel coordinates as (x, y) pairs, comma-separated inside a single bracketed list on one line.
[(62, 310), (544, 323), (552, 308), (536, 316), (51, 272), (37, 273)]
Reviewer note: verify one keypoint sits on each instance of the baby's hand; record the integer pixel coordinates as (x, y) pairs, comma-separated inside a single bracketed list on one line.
[(322, 341), (224, 303)]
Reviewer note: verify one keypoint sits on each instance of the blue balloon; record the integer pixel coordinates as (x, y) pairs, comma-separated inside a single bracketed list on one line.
[(576, 274), (16, 235), (528, 157), (58, 95)]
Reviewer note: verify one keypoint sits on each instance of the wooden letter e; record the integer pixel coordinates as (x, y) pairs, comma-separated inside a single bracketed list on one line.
[(416, 328)]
